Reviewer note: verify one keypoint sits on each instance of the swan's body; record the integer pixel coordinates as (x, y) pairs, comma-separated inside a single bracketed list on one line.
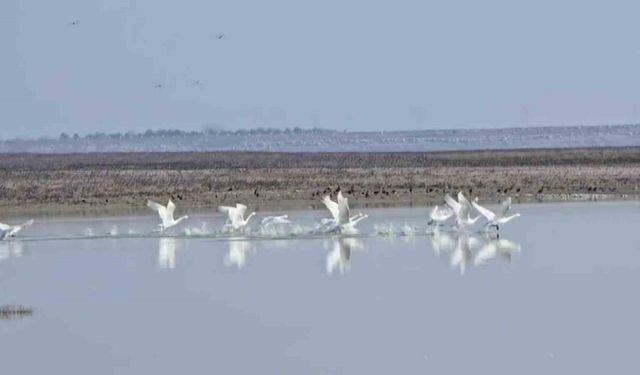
[(461, 209), (166, 214), (439, 215), (7, 231), (495, 219), (274, 220), (341, 215), (235, 216)]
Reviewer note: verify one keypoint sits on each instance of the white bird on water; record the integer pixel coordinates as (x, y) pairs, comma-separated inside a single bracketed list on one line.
[(235, 216), (166, 214), (499, 218), (274, 220), (461, 208), (341, 213), (7, 231), (439, 215)]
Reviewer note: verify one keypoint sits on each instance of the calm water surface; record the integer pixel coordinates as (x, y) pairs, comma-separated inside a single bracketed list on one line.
[(556, 293)]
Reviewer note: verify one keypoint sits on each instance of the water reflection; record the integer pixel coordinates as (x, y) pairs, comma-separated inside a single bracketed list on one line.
[(461, 255), (10, 249), (340, 257), (167, 253), (462, 246), (442, 241), (494, 247), (237, 255)]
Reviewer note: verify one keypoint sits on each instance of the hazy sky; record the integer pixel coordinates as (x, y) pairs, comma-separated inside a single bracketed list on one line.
[(358, 65)]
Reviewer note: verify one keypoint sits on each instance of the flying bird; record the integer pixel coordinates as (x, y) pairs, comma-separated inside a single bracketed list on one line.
[(7, 231), (235, 216), (495, 219), (166, 214)]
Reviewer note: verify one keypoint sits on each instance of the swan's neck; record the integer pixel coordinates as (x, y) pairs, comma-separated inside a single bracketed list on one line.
[(246, 221), (509, 218)]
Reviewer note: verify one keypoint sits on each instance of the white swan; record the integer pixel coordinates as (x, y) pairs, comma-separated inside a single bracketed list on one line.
[(439, 215), (341, 214), (499, 218), (274, 220), (235, 216), (7, 231), (166, 214), (461, 208), (334, 208)]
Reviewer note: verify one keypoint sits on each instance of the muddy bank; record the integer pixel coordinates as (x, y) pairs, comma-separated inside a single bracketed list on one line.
[(113, 181)]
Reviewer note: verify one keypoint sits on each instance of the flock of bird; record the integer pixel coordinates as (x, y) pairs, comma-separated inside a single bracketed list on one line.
[(341, 220)]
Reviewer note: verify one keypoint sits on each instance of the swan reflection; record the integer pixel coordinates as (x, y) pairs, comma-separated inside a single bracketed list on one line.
[(442, 241), (463, 245), (496, 246), (237, 255), (10, 249), (461, 255), (167, 253), (340, 257)]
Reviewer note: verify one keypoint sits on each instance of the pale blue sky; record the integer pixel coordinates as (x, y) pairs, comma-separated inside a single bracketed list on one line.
[(357, 65)]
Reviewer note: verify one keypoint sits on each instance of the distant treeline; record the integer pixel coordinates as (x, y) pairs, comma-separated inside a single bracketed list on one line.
[(181, 133), (324, 140)]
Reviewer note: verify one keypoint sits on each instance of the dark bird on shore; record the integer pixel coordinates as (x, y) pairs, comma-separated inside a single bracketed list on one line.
[(230, 189), (518, 190), (541, 190), (411, 190), (255, 192)]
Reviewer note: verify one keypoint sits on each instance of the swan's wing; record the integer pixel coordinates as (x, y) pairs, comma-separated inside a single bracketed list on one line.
[(171, 207), (4, 227), (160, 209), (462, 199), (225, 209), (27, 223), (343, 209), (455, 206), (241, 209), (505, 206), (332, 206), (434, 213), (465, 206), (484, 212)]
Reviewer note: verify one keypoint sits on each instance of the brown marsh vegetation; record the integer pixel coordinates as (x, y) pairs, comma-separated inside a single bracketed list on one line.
[(211, 178)]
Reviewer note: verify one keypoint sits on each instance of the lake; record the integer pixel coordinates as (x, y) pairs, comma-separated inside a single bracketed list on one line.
[(554, 293)]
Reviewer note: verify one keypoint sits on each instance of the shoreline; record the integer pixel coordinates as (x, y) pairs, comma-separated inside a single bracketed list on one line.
[(75, 183)]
